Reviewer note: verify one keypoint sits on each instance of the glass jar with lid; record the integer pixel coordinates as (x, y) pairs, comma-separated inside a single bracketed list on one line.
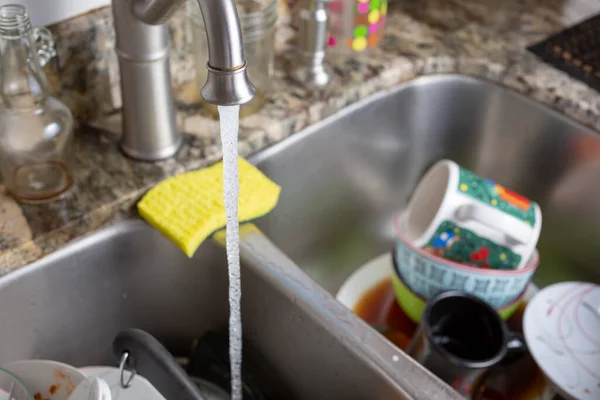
[(35, 128), (257, 18)]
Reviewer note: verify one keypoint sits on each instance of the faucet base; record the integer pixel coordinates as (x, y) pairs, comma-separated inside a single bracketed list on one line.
[(156, 155), (149, 129), (312, 44), (315, 75)]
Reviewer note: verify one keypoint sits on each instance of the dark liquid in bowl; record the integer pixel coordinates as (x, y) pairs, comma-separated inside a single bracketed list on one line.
[(379, 308)]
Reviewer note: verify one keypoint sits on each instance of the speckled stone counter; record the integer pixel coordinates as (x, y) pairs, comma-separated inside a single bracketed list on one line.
[(483, 38)]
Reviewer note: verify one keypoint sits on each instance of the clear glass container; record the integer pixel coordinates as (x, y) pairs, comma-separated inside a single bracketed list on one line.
[(11, 387), (35, 128), (258, 18)]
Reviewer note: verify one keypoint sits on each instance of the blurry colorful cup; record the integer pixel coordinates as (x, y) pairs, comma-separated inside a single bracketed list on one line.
[(355, 26), (460, 216), (420, 276)]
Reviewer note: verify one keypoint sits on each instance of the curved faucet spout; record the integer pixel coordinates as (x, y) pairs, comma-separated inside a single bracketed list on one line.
[(227, 82), (223, 29)]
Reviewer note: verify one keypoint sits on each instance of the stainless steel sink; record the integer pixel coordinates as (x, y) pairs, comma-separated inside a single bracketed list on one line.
[(72, 304), (344, 178)]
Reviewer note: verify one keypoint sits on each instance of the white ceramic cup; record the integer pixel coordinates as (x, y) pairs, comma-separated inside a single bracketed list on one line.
[(469, 219)]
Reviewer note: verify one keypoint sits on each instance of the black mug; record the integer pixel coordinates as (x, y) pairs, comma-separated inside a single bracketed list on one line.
[(460, 338)]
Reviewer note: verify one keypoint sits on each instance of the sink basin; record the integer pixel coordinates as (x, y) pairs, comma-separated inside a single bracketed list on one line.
[(70, 306), (345, 178)]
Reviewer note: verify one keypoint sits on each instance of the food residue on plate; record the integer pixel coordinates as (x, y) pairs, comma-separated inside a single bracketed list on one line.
[(52, 390)]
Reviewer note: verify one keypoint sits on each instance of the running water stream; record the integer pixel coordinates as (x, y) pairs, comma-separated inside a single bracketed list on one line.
[(229, 120)]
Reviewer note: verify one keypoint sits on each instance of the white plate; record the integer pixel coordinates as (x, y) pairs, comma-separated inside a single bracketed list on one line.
[(91, 388), (140, 388), (562, 328), (53, 380), (365, 278)]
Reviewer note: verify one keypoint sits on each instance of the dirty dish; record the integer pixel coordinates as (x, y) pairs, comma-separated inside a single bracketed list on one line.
[(362, 294), (364, 278), (140, 387), (420, 276), (46, 379), (91, 388), (463, 217), (460, 338), (561, 325), (12, 388)]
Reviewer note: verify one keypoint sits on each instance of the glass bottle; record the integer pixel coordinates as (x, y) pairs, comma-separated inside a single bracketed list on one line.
[(35, 128)]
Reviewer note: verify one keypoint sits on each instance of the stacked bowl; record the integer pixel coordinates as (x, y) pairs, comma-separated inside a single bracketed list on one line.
[(465, 233)]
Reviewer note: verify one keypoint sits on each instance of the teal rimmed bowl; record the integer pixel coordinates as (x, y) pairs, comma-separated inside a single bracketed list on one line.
[(420, 276)]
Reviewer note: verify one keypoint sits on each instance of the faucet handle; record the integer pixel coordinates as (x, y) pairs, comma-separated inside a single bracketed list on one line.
[(312, 44)]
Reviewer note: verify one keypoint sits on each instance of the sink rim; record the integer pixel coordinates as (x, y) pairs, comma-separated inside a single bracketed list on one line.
[(421, 80), (116, 228)]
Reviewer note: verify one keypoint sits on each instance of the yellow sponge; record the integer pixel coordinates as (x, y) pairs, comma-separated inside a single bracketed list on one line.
[(188, 208)]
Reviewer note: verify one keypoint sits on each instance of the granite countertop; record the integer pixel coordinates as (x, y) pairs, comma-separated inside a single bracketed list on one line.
[(483, 38)]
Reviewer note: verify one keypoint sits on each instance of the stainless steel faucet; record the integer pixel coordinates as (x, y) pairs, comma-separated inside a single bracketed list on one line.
[(149, 128), (312, 43)]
